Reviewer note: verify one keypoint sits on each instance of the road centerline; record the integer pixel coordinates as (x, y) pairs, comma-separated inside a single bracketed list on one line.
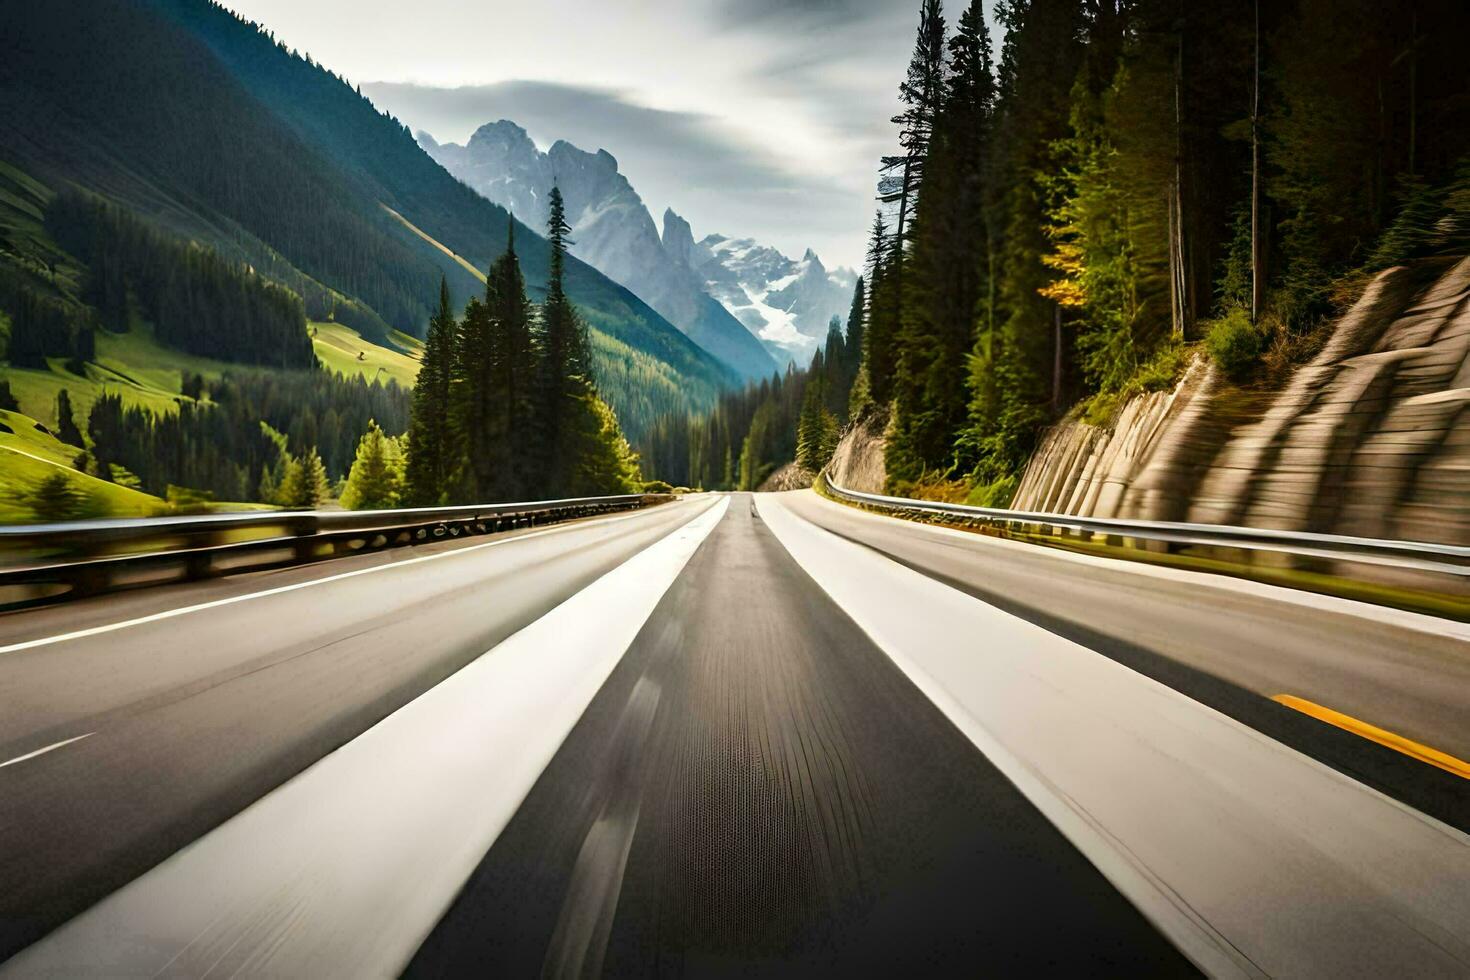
[(1393, 740)]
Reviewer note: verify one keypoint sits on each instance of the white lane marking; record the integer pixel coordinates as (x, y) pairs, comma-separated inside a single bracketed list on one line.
[(42, 751), (344, 870), (1250, 856), (1419, 622), (231, 600)]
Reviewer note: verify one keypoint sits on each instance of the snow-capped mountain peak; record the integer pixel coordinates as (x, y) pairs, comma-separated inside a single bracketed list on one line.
[(787, 303), (701, 286)]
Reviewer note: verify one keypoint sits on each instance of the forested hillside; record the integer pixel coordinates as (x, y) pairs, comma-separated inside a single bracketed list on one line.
[(1130, 182), (1125, 186), (337, 119), (201, 123)]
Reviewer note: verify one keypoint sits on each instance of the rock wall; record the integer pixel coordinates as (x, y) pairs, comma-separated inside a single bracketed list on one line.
[(1370, 438), (858, 463), (792, 476)]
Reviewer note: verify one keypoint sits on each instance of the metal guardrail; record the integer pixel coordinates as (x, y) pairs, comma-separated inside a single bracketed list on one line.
[(1419, 556), (50, 561)]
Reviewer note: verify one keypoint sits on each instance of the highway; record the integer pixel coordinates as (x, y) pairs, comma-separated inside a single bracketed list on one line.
[(732, 734)]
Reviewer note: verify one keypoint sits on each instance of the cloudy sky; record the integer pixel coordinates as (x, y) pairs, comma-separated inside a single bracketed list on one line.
[(760, 118)]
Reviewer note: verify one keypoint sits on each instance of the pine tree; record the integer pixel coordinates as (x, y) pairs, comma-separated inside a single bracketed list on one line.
[(922, 93), (376, 479), (880, 353), (835, 386), (56, 497), (433, 449), (304, 485), (816, 428), (1012, 365), (498, 415), (66, 423), (566, 368), (600, 461), (942, 281), (857, 319)]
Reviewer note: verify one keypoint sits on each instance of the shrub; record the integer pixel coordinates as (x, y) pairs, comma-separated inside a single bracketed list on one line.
[(57, 497), (1235, 343), (995, 494)]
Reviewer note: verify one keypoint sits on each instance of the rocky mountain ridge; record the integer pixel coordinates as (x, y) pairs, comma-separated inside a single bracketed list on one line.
[(788, 303), (611, 228), (707, 288)]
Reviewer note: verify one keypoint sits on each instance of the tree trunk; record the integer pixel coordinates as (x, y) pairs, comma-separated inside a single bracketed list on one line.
[(1176, 305), (1056, 361), (1178, 252), (903, 210), (1258, 245), (990, 303)]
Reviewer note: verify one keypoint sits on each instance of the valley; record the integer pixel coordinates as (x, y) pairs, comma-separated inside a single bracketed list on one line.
[(92, 323), (734, 488)]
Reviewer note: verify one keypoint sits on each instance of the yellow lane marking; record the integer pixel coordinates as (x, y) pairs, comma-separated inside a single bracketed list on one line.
[(1373, 733)]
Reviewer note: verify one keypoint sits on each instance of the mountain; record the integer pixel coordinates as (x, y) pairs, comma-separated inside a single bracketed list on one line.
[(788, 304), (611, 228), (205, 127)]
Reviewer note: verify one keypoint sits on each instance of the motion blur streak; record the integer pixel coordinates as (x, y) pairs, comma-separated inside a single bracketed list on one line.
[(300, 883)]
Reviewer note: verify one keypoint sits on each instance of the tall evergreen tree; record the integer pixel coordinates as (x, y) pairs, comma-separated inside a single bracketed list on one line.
[(836, 384), (304, 483), (433, 448), (922, 93), (857, 321), (1011, 380), (66, 421), (880, 351), (943, 279), (566, 368), (497, 416), (816, 427), (376, 479)]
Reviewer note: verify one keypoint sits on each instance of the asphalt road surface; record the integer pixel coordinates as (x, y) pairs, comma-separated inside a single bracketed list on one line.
[(731, 735)]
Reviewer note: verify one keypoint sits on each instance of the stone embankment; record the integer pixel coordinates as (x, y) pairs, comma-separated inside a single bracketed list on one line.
[(858, 463), (1370, 438)]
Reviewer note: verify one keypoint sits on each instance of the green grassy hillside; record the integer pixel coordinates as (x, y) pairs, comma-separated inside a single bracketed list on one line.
[(143, 372), (29, 453), (344, 350), (209, 128), (157, 200)]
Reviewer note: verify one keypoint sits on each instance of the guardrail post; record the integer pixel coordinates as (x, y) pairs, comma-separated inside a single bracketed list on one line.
[(198, 565), (304, 528), (90, 579)]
